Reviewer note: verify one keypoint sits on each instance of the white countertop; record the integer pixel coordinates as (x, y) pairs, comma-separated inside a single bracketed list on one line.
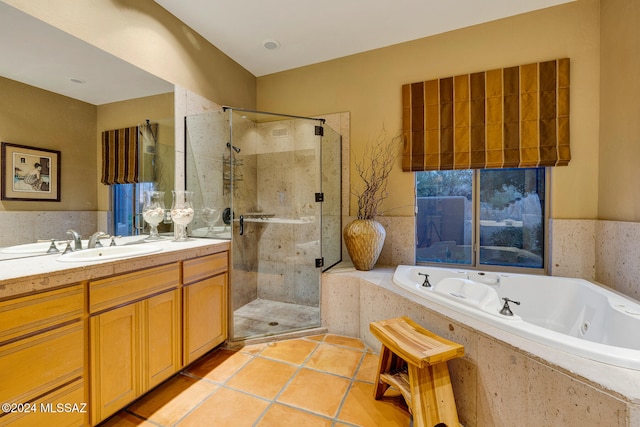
[(36, 273)]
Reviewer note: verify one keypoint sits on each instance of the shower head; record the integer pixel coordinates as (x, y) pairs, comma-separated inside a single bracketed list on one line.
[(236, 149)]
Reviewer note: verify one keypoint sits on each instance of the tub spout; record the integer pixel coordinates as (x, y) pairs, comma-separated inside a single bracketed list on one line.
[(506, 310), (426, 283)]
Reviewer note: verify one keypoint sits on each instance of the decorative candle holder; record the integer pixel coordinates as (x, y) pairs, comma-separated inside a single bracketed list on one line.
[(210, 216), (153, 212), (181, 213)]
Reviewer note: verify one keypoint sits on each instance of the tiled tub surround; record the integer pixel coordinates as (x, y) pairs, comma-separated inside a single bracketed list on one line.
[(503, 379), (603, 251)]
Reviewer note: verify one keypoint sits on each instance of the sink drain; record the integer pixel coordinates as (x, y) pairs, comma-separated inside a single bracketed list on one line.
[(273, 323)]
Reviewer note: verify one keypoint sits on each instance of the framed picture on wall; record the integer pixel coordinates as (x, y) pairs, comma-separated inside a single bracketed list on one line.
[(30, 173)]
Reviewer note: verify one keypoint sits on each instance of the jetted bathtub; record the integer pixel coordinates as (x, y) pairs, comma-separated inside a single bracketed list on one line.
[(573, 315)]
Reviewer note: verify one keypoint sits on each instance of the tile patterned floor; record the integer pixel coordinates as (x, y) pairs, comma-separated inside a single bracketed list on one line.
[(324, 381)]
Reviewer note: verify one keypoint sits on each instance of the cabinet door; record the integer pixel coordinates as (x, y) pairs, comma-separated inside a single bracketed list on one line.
[(205, 316), (163, 337), (115, 356)]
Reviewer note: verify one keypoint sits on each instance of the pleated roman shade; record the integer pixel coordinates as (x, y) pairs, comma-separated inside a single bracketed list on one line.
[(120, 156), (505, 118)]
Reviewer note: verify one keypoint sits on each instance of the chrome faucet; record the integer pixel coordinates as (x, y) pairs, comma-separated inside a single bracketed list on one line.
[(506, 310), (426, 282), (77, 239), (94, 240)]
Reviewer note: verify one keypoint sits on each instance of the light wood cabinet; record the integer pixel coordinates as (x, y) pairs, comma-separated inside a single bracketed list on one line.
[(135, 341), (65, 406), (42, 351), (105, 342), (115, 354), (205, 304), (162, 339)]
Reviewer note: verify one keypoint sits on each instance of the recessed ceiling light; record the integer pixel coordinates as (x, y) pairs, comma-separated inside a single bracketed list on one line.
[(78, 81), (271, 44)]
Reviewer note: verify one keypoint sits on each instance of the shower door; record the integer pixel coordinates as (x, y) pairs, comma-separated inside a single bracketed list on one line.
[(274, 179)]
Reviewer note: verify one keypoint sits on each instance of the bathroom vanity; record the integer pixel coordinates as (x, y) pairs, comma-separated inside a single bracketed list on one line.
[(79, 341)]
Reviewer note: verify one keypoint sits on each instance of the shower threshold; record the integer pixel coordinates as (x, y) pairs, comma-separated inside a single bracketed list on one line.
[(262, 317)]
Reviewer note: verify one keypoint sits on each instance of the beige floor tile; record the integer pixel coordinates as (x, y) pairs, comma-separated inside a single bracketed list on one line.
[(294, 351), (263, 377), (337, 360), (219, 365), (173, 400), (122, 419), (254, 375), (315, 391), (226, 408), (252, 349), (362, 409), (345, 341), (368, 368), (280, 415)]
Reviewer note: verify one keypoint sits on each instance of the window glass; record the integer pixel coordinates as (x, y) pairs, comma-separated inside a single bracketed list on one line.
[(444, 218), (127, 201), (507, 225), (512, 217)]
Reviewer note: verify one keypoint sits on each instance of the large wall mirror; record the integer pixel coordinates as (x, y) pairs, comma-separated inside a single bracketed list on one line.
[(60, 93)]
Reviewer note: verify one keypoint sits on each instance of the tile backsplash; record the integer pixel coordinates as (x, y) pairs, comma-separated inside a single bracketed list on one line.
[(17, 227)]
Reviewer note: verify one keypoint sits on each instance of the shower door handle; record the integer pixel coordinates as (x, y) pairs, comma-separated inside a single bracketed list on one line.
[(241, 225)]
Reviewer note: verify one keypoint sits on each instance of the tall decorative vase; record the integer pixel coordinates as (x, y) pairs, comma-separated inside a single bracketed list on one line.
[(364, 239)]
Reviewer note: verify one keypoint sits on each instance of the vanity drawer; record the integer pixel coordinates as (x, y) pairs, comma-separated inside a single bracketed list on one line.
[(28, 314), (33, 366), (66, 406), (206, 266), (125, 288)]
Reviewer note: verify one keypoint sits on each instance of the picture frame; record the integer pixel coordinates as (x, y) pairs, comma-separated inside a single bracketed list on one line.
[(29, 173)]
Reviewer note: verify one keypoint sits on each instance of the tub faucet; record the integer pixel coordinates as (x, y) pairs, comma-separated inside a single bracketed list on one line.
[(426, 283), (94, 240), (77, 239), (506, 310)]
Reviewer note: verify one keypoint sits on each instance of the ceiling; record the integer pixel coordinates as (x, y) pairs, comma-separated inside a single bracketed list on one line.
[(37, 54), (40, 55), (310, 32)]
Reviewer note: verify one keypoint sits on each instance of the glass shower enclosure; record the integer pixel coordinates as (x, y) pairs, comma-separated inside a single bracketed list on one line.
[(271, 184)]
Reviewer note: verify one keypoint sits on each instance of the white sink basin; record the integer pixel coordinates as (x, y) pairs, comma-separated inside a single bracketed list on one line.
[(109, 252)]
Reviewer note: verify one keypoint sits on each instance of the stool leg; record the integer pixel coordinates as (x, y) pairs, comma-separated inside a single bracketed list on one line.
[(432, 396), (384, 363)]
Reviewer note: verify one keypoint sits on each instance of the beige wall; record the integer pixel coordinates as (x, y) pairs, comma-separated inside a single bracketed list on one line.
[(619, 186), (144, 34), (38, 118), (368, 85)]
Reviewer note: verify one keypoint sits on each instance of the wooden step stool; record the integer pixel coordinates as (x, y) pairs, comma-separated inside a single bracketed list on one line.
[(414, 360)]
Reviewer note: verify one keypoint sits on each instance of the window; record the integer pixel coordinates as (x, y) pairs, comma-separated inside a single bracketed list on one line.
[(501, 212), (127, 201)]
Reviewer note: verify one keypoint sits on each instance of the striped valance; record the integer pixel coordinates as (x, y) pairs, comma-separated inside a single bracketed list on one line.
[(511, 117), (120, 156)]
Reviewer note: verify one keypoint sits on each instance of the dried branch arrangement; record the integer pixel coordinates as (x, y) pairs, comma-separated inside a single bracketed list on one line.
[(374, 168)]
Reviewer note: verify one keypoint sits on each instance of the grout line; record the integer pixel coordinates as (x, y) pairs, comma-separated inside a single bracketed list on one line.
[(352, 380), (271, 402)]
